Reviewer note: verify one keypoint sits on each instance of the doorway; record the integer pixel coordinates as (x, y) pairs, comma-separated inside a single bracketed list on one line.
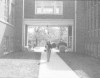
[(36, 33)]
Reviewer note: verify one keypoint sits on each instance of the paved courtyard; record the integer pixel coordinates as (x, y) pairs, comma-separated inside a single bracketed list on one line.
[(61, 65), (20, 65), (56, 68), (83, 65), (15, 68)]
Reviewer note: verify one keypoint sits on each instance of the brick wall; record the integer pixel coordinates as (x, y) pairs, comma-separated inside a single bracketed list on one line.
[(80, 25), (88, 28), (18, 24)]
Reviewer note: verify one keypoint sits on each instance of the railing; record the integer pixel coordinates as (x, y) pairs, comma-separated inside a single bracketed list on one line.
[(4, 22)]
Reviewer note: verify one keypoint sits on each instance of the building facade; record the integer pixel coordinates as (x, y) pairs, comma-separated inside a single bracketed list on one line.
[(85, 16), (88, 33), (7, 25), (51, 13), (79, 17)]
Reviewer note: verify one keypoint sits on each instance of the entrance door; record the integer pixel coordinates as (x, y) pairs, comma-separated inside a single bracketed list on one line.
[(37, 35)]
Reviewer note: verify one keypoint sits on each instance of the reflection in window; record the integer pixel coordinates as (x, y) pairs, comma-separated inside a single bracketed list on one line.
[(49, 7)]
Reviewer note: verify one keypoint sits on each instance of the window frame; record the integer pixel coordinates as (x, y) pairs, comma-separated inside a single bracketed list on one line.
[(52, 10)]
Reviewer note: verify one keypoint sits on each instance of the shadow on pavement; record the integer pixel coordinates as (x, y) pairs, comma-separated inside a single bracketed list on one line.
[(22, 55), (85, 66)]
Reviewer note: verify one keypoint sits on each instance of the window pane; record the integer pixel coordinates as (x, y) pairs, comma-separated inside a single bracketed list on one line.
[(49, 7)]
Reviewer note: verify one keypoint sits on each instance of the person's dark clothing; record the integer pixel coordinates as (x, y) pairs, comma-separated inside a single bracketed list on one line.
[(62, 43), (49, 46), (53, 45)]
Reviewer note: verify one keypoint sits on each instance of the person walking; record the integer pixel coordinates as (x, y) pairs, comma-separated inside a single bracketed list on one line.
[(49, 47), (48, 51)]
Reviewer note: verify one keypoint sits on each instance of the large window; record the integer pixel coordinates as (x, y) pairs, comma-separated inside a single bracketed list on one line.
[(49, 7), (7, 10), (4, 10), (12, 12)]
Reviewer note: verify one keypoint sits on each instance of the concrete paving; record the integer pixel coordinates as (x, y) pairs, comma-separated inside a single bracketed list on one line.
[(56, 68), (20, 65), (61, 65), (85, 66), (18, 68)]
